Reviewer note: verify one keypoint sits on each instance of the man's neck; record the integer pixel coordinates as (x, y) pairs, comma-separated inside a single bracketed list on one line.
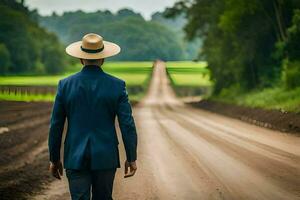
[(93, 65)]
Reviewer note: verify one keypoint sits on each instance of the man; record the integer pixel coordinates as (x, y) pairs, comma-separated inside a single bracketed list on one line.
[(91, 100)]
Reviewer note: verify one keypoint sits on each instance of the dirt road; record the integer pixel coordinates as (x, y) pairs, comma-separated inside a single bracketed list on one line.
[(187, 153)]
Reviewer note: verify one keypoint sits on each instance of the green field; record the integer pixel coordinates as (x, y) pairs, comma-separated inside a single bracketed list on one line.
[(186, 73), (189, 78), (26, 97), (136, 75)]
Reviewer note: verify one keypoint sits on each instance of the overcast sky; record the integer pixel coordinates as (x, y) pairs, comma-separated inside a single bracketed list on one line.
[(145, 7)]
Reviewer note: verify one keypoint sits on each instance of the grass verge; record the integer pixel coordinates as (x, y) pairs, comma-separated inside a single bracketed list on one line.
[(277, 98)]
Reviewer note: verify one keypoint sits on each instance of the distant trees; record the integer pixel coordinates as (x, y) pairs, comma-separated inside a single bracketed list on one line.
[(25, 47), (191, 49), (52, 55), (292, 48), (138, 38), (141, 40), (4, 59), (246, 43)]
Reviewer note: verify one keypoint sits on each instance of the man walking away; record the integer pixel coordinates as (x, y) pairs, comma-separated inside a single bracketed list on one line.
[(91, 100)]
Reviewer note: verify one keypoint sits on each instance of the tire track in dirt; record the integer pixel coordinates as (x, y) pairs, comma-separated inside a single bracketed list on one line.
[(283, 173)]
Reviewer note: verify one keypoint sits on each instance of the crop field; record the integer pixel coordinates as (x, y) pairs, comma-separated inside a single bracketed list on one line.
[(186, 73), (136, 75), (189, 78)]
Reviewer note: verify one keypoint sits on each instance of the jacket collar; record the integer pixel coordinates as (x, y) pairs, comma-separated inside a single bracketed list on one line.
[(91, 69)]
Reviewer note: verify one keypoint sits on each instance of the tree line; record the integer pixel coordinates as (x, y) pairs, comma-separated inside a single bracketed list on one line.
[(25, 47), (34, 44), (158, 38), (248, 44)]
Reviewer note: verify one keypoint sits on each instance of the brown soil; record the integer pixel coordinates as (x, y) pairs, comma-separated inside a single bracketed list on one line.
[(273, 119), (24, 156)]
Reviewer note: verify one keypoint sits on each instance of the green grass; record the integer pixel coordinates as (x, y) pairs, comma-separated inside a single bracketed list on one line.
[(189, 78), (186, 73), (30, 80), (134, 73), (186, 64), (48, 97), (272, 98), (26, 97), (194, 79)]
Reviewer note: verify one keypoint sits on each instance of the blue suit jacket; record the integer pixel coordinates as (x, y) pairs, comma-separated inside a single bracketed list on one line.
[(90, 100)]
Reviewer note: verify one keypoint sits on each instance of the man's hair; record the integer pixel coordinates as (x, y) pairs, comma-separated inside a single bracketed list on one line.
[(91, 61)]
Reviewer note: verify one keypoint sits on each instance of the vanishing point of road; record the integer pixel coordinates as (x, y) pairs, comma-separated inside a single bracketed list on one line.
[(186, 153)]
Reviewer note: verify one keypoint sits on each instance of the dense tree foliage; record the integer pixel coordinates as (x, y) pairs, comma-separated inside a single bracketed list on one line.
[(4, 59), (291, 46), (190, 48), (246, 43), (24, 46), (138, 38)]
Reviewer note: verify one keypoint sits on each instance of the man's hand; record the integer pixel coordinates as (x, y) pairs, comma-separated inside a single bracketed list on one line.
[(132, 167), (56, 169)]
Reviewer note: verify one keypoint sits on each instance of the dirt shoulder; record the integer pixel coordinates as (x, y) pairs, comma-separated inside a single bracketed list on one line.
[(272, 119)]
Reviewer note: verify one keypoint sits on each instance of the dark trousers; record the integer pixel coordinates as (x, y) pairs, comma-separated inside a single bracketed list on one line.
[(82, 181)]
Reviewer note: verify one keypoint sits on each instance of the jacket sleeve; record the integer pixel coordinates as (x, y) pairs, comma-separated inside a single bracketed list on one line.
[(57, 122), (127, 125)]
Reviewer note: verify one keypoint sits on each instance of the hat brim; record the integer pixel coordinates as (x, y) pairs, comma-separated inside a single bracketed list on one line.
[(110, 49)]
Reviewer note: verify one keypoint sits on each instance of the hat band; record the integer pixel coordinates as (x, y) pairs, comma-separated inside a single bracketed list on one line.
[(92, 50)]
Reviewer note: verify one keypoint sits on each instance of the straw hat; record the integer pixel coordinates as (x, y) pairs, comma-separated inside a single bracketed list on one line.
[(92, 46)]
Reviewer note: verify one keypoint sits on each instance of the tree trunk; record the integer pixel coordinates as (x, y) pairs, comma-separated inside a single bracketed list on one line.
[(279, 19)]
